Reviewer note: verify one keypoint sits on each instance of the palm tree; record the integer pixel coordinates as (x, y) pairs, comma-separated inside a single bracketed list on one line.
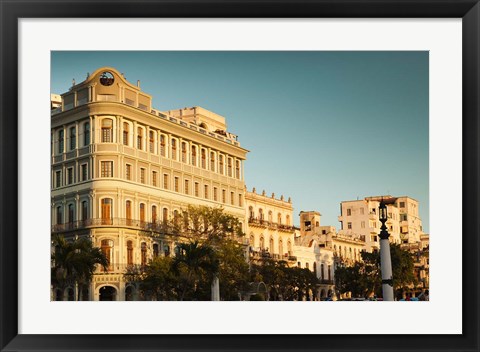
[(196, 262), (74, 262)]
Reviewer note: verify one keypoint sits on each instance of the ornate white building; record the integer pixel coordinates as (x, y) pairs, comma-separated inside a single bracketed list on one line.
[(119, 168)]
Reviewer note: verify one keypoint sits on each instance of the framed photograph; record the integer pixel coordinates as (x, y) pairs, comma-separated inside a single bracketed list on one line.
[(239, 176)]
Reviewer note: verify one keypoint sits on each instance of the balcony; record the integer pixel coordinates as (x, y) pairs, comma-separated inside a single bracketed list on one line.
[(326, 282), (264, 254), (155, 227), (271, 225)]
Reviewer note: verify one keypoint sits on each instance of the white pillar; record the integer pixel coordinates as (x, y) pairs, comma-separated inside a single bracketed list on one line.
[(215, 289), (386, 269)]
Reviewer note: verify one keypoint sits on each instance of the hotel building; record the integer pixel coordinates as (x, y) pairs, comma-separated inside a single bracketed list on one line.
[(119, 168)]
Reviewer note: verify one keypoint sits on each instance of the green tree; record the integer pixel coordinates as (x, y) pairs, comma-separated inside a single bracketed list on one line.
[(159, 281), (233, 270), (364, 278), (74, 262), (195, 264)]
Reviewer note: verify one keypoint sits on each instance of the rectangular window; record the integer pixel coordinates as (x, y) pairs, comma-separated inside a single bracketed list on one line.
[(349, 225), (194, 155), (363, 224), (151, 144), (224, 196), (84, 172), (142, 175), (73, 138), (162, 145), (196, 189), (107, 127), (240, 203), (165, 181), (186, 187), (215, 198), (237, 169), (86, 133), (205, 191), (212, 161), (232, 198), (70, 175), (174, 149), (229, 167), (139, 138), (362, 211), (106, 169), (125, 133), (58, 179), (349, 212), (175, 184), (154, 178), (220, 164), (402, 204), (60, 141), (128, 171), (184, 152)]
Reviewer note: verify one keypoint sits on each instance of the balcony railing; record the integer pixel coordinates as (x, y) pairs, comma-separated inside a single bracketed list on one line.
[(157, 227), (264, 254), (271, 225)]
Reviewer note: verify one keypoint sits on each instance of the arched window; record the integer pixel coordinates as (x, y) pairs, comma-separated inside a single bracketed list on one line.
[(329, 273), (260, 214), (154, 213), (280, 247), (174, 149), (71, 217), (176, 216), (289, 247), (288, 220), (271, 248), (270, 216), (262, 243), (184, 152), (144, 254), (165, 214), (322, 272), (252, 241), (221, 165), (315, 268), (129, 253), (125, 133), (340, 251), (194, 155), (107, 249), (307, 265), (317, 224), (142, 211), (84, 215), (151, 142), (128, 212), (156, 250), (204, 159), (212, 161), (107, 211), (279, 218), (107, 130), (251, 213), (139, 138), (162, 145)]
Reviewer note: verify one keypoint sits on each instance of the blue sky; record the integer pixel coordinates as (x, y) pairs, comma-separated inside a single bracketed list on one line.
[(321, 127)]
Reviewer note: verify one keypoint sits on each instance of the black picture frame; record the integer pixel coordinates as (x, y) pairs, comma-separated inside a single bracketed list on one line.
[(12, 11)]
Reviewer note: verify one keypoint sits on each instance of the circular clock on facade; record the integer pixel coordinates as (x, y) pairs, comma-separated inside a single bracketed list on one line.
[(106, 78)]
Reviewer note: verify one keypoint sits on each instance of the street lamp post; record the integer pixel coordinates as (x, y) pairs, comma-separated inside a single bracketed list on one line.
[(385, 259)]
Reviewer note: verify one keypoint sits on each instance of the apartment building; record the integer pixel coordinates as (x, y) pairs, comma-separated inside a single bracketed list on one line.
[(360, 217)]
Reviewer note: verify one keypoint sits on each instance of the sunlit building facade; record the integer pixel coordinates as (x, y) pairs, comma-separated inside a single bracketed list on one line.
[(120, 168)]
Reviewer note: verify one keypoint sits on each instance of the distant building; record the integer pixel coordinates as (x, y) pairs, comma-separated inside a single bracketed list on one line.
[(360, 217)]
